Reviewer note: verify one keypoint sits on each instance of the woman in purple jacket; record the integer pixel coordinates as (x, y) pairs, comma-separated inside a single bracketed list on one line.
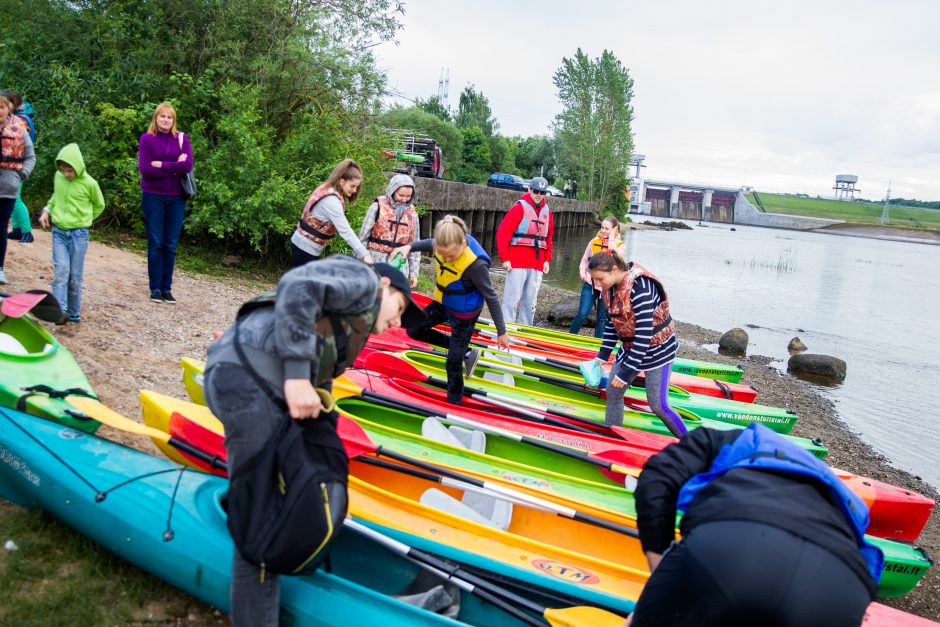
[(164, 156)]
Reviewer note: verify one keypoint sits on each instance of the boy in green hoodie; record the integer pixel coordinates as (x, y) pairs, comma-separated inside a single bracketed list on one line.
[(76, 202)]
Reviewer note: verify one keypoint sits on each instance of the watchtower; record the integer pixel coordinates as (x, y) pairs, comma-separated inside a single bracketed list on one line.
[(845, 186)]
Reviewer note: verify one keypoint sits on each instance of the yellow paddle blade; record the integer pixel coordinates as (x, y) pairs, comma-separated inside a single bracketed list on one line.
[(344, 388), (625, 470), (583, 617), (107, 416)]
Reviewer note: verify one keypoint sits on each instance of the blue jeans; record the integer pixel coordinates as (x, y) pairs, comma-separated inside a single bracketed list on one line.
[(522, 284), (163, 216), (68, 257), (589, 296)]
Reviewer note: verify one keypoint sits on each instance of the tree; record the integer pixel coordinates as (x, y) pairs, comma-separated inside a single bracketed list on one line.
[(475, 167), (434, 106), (593, 132), (473, 110), (416, 119), (535, 155)]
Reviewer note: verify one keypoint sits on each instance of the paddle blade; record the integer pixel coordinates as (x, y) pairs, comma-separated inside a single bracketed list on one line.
[(343, 387), (93, 408), (355, 440), (582, 616), (199, 437), (43, 305), (393, 366), (386, 342)]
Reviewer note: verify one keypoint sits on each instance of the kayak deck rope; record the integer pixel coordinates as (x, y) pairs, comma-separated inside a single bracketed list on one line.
[(36, 390), (101, 495)]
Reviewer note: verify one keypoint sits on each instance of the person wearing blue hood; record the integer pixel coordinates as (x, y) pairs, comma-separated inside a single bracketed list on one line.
[(22, 226), (391, 221)]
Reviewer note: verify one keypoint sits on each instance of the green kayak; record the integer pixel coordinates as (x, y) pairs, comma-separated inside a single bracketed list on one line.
[(590, 405), (34, 369), (573, 482)]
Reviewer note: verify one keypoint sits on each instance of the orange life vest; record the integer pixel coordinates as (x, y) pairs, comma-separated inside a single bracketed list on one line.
[(533, 227), (620, 310), (598, 245), (389, 232), (13, 144), (318, 230)]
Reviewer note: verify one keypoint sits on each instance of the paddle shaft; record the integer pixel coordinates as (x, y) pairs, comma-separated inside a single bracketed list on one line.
[(539, 503)]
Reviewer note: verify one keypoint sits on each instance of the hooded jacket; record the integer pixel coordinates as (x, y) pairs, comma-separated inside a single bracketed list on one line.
[(368, 222), (74, 204)]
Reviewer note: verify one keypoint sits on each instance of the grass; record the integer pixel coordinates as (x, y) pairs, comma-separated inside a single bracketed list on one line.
[(59, 577), (867, 213)]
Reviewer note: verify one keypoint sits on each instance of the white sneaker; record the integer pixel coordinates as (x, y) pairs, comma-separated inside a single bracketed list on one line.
[(3, 279)]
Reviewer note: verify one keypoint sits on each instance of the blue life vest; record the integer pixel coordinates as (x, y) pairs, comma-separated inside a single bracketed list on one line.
[(452, 290), (757, 447)]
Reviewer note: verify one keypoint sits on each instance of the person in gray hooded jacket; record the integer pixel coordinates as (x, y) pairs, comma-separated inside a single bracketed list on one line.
[(391, 222)]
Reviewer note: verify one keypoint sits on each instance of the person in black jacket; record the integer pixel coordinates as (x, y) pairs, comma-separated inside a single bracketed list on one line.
[(768, 546)]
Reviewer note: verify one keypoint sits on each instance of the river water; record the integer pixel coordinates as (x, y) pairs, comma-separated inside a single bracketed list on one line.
[(873, 303)]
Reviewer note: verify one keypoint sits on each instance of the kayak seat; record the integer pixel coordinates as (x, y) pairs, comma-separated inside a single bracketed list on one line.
[(433, 429), (12, 346), (483, 510), (510, 359), (500, 377)]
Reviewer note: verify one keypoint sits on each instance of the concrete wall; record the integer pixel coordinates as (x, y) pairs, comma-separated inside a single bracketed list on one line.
[(746, 213), (482, 207)]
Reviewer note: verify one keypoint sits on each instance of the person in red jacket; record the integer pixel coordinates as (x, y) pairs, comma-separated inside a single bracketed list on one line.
[(524, 243)]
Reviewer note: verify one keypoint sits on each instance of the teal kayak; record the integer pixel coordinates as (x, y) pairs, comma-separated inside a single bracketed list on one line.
[(34, 368), (168, 520)]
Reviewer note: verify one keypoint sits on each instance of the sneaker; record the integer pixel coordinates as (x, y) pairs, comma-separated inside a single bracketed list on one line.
[(75, 318), (470, 362), (168, 297), (3, 279), (27, 238), (14, 234), (156, 296)]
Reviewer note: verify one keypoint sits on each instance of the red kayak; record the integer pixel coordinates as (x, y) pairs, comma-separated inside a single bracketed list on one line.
[(895, 513), (396, 339)]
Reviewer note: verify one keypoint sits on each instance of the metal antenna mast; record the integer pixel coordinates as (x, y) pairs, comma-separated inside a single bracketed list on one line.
[(884, 212), (443, 86)]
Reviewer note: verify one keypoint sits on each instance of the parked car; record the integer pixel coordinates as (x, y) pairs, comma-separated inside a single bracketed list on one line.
[(507, 181), (554, 191)]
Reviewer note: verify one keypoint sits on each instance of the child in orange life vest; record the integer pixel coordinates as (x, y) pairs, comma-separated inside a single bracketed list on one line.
[(463, 284), (16, 162), (608, 238), (324, 216), (638, 316), (391, 221)]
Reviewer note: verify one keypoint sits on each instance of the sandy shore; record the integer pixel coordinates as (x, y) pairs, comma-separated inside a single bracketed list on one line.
[(126, 343)]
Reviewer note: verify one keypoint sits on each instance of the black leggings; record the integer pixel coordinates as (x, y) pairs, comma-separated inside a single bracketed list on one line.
[(461, 330), (732, 573), (6, 210)]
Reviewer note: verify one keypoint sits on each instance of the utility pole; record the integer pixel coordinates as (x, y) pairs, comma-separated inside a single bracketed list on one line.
[(884, 212)]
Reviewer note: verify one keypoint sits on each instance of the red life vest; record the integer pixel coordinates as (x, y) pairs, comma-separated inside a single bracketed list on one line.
[(620, 310), (318, 230), (389, 232), (13, 143), (598, 245), (533, 227)]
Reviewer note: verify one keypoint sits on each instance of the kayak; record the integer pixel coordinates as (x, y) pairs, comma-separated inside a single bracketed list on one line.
[(590, 405), (395, 340), (905, 564), (170, 523), (34, 366)]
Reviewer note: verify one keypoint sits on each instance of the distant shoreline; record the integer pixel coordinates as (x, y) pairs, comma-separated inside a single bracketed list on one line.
[(913, 236)]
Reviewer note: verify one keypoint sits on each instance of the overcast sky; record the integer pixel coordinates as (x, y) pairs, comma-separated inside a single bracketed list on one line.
[(779, 95)]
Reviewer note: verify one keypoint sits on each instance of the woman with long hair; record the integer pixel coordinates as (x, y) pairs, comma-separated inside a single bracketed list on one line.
[(638, 316), (607, 239), (164, 157), (324, 216)]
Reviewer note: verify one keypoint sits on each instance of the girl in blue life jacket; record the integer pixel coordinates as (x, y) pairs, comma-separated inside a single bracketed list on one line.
[(462, 286)]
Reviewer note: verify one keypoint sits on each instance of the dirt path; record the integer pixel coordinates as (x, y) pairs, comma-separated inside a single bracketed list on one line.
[(126, 343)]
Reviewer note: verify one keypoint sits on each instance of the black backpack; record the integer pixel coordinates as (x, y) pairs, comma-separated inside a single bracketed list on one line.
[(287, 503)]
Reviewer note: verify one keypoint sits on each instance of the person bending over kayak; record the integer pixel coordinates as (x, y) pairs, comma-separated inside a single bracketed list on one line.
[(463, 284), (263, 371), (392, 221), (770, 536), (638, 316)]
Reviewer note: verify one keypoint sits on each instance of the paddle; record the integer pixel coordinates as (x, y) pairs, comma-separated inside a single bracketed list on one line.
[(92, 408), (357, 442), (396, 367), (579, 616), (43, 305)]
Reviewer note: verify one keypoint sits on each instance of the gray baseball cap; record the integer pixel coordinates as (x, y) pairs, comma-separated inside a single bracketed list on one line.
[(538, 184)]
